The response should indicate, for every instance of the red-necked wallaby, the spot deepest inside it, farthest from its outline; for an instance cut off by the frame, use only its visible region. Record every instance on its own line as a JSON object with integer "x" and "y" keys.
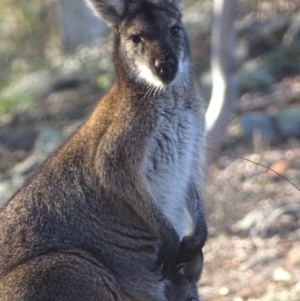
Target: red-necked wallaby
{"x": 104, "y": 217}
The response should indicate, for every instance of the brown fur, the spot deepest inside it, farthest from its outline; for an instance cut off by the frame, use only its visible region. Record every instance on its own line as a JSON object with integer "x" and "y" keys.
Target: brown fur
{"x": 87, "y": 225}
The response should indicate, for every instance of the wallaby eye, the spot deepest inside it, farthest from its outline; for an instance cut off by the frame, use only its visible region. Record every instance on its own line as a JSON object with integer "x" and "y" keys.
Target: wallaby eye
{"x": 135, "y": 39}
{"x": 175, "y": 30}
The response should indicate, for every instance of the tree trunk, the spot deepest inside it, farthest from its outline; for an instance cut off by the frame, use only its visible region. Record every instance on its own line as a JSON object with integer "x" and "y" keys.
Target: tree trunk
{"x": 223, "y": 65}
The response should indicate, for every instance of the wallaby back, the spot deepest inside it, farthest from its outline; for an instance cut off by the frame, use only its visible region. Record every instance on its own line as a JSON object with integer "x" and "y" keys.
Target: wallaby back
{"x": 103, "y": 217}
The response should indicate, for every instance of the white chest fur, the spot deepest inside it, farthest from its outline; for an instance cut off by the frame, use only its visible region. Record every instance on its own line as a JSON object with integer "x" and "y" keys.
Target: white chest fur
{"x": 168, "y": 164}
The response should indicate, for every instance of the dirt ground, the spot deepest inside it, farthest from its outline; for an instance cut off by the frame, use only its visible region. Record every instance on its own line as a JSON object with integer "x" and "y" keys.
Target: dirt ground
{"x": 253, "y": 252}
{"x": 258, "y": 257}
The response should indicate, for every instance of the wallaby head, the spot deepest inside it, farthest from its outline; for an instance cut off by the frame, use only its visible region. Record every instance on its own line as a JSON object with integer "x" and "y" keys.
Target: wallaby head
{"x": 151, "y": 46}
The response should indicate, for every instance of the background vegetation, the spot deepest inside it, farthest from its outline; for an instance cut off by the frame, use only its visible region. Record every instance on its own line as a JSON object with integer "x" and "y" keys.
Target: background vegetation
{"x": 254, "y": 248}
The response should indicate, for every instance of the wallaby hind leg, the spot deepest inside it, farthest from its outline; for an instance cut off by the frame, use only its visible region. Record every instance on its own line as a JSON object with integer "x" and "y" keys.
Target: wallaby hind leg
{"x": 60, "y": 278}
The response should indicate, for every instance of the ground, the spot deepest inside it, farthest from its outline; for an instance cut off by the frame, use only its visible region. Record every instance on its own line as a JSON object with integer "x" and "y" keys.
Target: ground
{"x": 253, "y": 252}
{"x": 258, "y": 257}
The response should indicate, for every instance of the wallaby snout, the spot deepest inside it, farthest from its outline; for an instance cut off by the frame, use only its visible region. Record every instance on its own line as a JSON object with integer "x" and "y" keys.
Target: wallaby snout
{"x": 162, "y": 60}
{"x": 166, "y": 70}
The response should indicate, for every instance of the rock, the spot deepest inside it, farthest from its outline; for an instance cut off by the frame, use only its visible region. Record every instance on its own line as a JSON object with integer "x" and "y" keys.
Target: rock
{"x": 292, "y": 294}
{"x": 262, "y": 260}
{"x": 288, "y": 122}
{"x": 271, "y": 220}
{"x": 281, "y": 275}
{"x": 280, "y": 167}
{"x": 8, "y": 188}
{"x": 262, "y": 36}
{"x": 291, "y": 38}
{"x": 249, "y": 221}
{"x": 224, "y": 291}
{"x": 48, "y": 140}
{"x": 70, "y": 71}
{"x": 22, "y": 92}
{"x": 255, "y": 75}
{"x": 283, "y": 124}
{"x": 20, "y": 138}
{"x": 261, "y": 122}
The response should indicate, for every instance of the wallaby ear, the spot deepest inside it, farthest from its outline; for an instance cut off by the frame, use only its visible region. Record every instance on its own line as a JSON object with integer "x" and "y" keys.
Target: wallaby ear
{"x": 193, "y": 269}
{"x": 178, "y": 4}
{"x": 110, "y": 11}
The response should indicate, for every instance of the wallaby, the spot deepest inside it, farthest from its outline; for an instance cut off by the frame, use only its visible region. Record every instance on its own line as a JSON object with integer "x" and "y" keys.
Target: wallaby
{"x": 103, "y": 217}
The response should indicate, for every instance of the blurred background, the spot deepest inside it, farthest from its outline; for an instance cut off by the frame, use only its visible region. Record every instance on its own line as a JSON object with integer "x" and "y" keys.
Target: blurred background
{"x": 56, "y": 62}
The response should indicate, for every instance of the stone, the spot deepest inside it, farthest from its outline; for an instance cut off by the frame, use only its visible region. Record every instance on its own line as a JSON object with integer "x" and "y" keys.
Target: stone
{"x": 261, "y": 122}
{"x": 288, "y": 122}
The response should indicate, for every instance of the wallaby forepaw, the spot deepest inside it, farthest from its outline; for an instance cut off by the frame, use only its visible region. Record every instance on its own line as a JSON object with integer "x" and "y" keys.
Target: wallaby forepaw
{"x": 167, "y": 257}
{"x": 190, "y": 246}
{"x": 169, "y": 270}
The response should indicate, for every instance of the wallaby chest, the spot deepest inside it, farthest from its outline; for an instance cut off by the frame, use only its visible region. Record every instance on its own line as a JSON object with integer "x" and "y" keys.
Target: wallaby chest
{"x": 170, "y": 153}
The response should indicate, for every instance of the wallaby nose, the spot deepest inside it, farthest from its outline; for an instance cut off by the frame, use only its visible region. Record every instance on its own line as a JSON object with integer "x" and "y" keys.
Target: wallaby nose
{"x": 164, "y": 67}
{"x": 166, "y": 70}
